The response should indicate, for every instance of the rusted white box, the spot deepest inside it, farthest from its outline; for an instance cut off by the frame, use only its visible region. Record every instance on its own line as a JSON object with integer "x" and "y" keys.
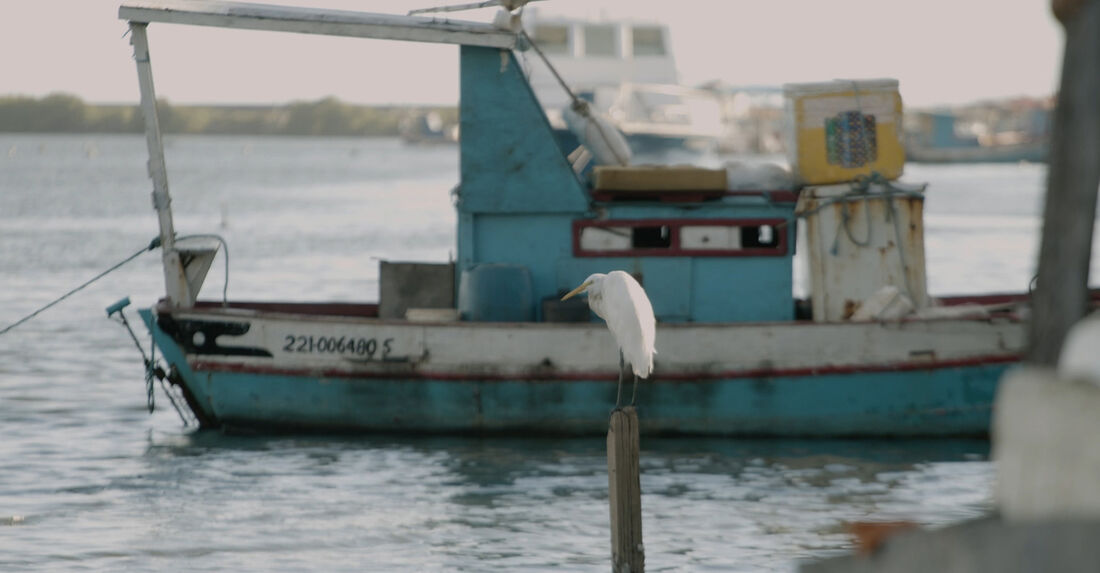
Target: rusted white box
{"x": 861, "y": 241}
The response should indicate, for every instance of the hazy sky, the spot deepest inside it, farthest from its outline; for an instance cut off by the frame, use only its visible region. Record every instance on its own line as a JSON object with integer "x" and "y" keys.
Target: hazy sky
{"x": 942, "y": 51}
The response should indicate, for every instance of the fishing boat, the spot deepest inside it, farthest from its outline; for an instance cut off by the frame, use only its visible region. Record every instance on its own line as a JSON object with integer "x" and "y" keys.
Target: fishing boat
{"x": 483, "y": 344}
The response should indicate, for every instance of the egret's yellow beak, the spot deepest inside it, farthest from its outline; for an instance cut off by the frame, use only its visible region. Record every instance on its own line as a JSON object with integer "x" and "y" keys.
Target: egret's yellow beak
{"x": 576, "y": 291}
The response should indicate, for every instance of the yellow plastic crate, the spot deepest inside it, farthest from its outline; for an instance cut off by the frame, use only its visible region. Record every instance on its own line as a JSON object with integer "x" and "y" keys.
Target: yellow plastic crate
{"x": 840, "y": 130}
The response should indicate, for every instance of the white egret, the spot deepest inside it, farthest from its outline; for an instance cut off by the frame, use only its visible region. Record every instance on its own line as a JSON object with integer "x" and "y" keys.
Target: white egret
{"x": 618, "y": 299}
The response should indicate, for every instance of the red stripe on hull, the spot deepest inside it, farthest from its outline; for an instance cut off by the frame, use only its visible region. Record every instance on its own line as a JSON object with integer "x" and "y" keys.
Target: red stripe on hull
{"x": 826, "y": 370}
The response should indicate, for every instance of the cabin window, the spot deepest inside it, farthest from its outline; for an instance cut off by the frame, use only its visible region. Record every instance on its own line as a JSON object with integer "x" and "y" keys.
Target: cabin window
{"x": 552, "y": 39}
{"x": 602, "y": 239}
{"x": 657, "y": 237}
{"x": 759, "y": 236}
{"x": 680, "y": 238}
{"x": 710, "y": 237}
{"x": 648, "y": 41}
{"x": 599, "y": 40}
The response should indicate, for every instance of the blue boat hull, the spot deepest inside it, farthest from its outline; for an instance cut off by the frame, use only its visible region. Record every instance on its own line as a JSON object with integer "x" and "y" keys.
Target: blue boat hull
{"x": 952, "y": 401}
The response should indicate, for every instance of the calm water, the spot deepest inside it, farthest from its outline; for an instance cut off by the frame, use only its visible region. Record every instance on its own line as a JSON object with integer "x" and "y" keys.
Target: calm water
{"x": 90, "y": 481}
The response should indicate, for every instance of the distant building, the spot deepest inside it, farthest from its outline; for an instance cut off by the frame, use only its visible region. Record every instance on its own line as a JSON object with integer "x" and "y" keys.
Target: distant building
{"x": 994, "y": 131}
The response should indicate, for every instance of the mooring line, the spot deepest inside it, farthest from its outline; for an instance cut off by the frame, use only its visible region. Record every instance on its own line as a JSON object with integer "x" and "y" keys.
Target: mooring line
{"x": 153, "y": 245}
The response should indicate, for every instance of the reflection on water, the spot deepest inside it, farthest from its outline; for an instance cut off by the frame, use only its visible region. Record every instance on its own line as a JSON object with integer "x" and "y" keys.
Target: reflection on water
{"x": 92, "y": 482}
{"x": 501, "y": 504}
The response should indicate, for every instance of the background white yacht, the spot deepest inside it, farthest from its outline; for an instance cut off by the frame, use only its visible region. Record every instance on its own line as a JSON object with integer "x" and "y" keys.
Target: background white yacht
{"x": 626, "y": 69}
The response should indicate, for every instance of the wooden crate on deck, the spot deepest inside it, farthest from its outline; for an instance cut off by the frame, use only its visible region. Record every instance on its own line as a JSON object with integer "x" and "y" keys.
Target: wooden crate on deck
{"x": 658, "y": 182}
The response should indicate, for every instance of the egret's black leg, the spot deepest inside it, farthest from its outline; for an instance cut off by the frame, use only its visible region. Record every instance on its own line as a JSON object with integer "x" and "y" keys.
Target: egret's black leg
{"x": 619, "y": 394}
{"x": 634, "y": 395}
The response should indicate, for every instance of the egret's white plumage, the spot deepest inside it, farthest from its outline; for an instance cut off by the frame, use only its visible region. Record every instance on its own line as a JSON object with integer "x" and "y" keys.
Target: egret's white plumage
{"x": 618, "y": 299}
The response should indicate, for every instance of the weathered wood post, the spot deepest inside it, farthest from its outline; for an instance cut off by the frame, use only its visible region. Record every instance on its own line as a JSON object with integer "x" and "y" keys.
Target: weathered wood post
{"x": 625, "y": 492}
{"x": 1061, "y": 293}
{"x": 1045, "y": 422}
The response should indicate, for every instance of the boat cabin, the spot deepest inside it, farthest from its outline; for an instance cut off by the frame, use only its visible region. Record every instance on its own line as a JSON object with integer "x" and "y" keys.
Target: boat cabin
{"x": 702, "y": 254}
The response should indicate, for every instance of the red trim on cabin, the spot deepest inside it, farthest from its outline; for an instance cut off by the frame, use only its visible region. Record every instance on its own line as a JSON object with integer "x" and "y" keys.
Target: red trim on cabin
{"x": 773, "y": 196}
{"x": 674, "y": 249}
{"x": 659, "y": 196}
{"x": 311, "y": 308}
{"x": 825, "y": 370}
{"x": 982, "y": 299}
{"x": 998, "y": 298}
{"x": 690, "y": 196}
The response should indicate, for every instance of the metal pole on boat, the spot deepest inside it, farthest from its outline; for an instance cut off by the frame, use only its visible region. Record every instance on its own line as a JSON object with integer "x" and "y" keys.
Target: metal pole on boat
{"x": 175, "y": 279}
{"x": 1061, "y": 293}
{"x": 625, "y": 491}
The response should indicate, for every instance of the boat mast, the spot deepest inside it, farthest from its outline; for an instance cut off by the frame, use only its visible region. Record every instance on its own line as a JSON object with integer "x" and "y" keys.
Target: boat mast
{"x": 175, "y": 279}
{"x": 186, "y": 260}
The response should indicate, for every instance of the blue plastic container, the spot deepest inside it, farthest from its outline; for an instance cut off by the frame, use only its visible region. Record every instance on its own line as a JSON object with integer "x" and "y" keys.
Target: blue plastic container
{"x": 496, "y": 292}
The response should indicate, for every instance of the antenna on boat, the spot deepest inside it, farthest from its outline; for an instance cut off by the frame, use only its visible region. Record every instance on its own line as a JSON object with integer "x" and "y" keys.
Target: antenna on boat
{"x": 509, "y": 5}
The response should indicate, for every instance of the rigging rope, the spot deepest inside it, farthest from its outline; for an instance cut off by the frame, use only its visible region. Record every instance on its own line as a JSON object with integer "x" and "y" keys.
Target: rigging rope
{"x": 153, "y": 245}
{"x": 860, "y": 191}
{"x": 152, "y": 370}
{"x": 573, "y": 97}
{"x": 150, "y": 366}
{"x": 578, "y": 105}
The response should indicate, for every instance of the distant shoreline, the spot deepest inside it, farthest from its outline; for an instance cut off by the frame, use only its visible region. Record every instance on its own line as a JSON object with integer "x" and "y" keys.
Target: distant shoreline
{"x": 64, "y": 113}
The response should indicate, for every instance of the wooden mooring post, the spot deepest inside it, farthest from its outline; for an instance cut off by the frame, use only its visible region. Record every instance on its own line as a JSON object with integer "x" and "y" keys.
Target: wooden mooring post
{"x": 625, "y": 492}
{"x": 1061, "y": 295}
